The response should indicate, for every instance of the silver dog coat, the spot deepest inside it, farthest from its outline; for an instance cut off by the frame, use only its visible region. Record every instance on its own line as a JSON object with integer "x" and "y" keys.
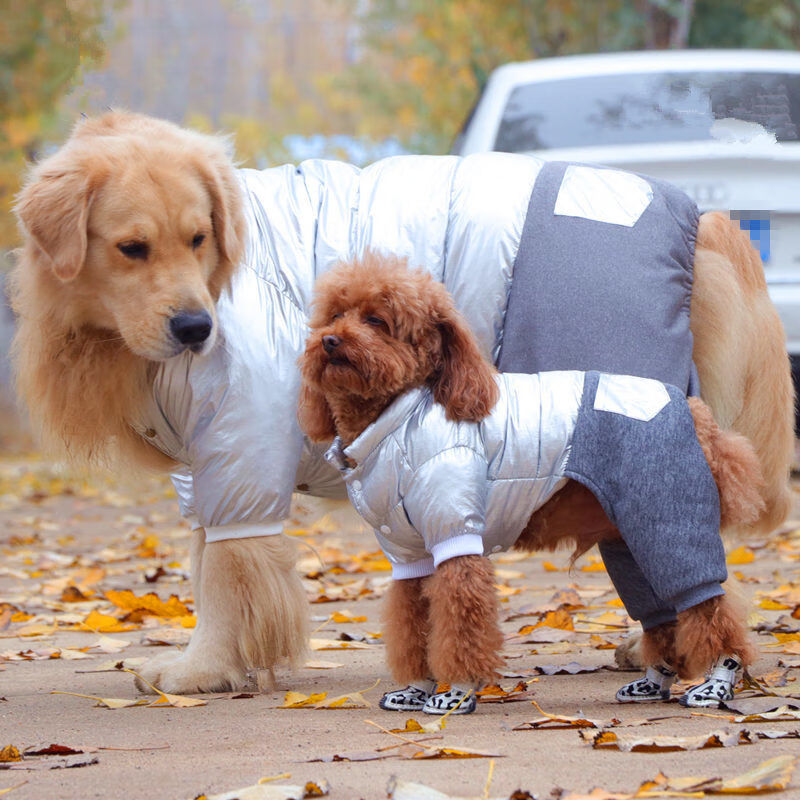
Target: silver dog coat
{"x": 230, "y": 416}
{"x": 434, "y": 489}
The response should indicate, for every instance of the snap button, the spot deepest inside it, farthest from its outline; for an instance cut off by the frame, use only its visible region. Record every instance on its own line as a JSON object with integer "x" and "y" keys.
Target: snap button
{"x": 150, "y": 433}
{"x": 385, "y": 529}
{"x": 356, "y": 485}
{"x": 497, "y": 548}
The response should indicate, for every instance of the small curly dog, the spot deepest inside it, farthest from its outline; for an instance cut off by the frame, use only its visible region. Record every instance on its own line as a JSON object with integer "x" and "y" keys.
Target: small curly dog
{"x": 449, "y": 461}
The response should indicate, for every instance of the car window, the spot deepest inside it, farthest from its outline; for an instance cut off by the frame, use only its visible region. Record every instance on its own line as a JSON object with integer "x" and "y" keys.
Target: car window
{"x": 646, "y": 108}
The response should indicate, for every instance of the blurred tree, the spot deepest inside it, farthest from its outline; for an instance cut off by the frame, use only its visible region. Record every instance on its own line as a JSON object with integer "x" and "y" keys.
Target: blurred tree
{"x": 424, "y": 62}
{"x": 746, "y": 23}
{"x": 43, "y": 46}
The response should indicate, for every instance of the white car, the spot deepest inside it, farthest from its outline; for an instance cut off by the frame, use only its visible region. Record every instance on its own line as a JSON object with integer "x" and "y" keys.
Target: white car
{"x": 724, "y": 125}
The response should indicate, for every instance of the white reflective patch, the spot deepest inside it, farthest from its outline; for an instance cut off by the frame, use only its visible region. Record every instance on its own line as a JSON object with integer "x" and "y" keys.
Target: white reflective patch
{"x": 637, "y": 398}
{"x": 603, "y": 195}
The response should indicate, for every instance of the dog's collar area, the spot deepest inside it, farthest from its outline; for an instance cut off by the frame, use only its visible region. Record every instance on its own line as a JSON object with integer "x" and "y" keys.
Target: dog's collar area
{"x": 336, "y": 456}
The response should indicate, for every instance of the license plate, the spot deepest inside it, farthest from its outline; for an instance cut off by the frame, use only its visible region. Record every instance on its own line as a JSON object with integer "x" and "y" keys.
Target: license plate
{"x": 758, "y": 224}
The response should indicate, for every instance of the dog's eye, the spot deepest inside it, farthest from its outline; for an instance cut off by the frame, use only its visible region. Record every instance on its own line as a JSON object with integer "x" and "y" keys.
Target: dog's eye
{"x": 136, "y": 250}
{"x": 377, "y": 322}
{"x": 336, "y": 316}
{"x": 198, "y": 240}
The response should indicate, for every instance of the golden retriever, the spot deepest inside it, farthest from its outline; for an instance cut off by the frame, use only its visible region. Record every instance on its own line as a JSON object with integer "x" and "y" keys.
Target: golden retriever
{"x": 97, "y": 314}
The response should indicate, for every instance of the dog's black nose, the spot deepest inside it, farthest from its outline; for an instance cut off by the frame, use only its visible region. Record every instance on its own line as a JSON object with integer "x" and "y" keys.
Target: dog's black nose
{"x": 191, "y": 327}
{"x": 330, "y": 343}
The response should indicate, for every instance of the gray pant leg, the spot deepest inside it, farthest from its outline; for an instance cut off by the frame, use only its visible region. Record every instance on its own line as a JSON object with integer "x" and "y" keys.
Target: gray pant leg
{"x": 654, "y": 482}
{"x": 633, "y": 588}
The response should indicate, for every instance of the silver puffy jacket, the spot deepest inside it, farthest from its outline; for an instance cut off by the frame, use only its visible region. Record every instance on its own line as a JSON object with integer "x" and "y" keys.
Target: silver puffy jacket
{"x": 433, "y": 489}
{"x": 230, "y": 416}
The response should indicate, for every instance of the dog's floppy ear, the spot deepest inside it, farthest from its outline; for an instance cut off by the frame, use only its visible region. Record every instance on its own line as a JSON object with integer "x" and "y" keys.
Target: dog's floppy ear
{"x": 464, "y": 380}
{"x": 227, "y": 215}
{"x": 54, "y": 210}
{"x": 314, "y": 415}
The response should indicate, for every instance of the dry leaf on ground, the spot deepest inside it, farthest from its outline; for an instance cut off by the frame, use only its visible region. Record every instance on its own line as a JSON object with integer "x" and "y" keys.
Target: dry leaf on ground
{"x": 107, "y": 702}
{"x": 661, "y": 744}
{"x": 332, "y": 644}
{"x": 760, "y": 705}
{"x": 270, "y": 791}
{"x": 497, "y": 694}
{"x": 545, "y": 633}
{"x": 771, "y": 775}
{"x": 573, "y": 668}
{"x": 320, "y": 700}
{"x": 558, "y": 721}
{"x": 150, "y": 604}
{"x": 409, "y": 790}
{"x": 51, "y": 762}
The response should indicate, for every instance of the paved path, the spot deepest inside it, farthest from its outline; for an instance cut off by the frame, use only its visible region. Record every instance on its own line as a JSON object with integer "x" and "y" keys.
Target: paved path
{"x": 65, "y": 543}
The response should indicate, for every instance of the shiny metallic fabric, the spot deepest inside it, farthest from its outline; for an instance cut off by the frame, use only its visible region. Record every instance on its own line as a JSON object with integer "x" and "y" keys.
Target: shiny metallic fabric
{"x": 434, "y": 489}
{"x": 230, "y": 416}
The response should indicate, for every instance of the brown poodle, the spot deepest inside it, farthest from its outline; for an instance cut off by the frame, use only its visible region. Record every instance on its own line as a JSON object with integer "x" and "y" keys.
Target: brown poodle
{"x": 380, "y": 329}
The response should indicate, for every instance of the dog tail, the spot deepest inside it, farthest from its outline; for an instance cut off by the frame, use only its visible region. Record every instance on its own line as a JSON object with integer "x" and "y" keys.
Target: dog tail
{"x": 734, "y": 465}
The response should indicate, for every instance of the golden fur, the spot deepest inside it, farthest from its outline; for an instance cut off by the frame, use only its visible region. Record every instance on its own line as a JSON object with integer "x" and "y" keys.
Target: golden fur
{"x": 93, "y": 323}
{"x": 92, "y": 332}
{"x": 378, "y": 329}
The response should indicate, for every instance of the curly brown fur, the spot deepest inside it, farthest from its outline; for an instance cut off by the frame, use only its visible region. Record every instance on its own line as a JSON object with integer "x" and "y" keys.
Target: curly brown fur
{"x": 699, "y": 637}
{"x": 708, "y": 630}
{"x": 465, "y": 637}
{"x": 658, "y": 645}
{"x": 378, "y": 329}
{"x": 573, "y": 516}
{"x": 406, "y": 630}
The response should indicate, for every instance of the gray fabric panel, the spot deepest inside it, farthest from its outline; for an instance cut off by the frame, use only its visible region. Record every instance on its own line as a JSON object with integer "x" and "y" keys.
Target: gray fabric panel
{"x": 654, "y": 482}
{"x": 591, "y": 295}
{"x": 633, "y": 588}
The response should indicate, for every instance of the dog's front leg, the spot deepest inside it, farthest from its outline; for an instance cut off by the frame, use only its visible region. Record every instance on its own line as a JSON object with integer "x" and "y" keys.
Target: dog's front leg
{"x": 406, "y": 626}
{"x": 465, "y": 636}
{"x": 252, "y": 613}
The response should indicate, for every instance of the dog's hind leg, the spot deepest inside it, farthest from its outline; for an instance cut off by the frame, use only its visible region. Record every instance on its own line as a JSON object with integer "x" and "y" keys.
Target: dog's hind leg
{"x": 253, "y": 615}
{"x": 711, "y": 638}
{"x": 740, "y": 353}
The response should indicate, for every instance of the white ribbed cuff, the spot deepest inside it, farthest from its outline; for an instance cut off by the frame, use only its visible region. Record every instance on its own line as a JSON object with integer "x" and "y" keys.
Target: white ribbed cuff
{"x": 219, "y": 533}
{"x": 468, "y": 544}
{"x": 417, "y": 569}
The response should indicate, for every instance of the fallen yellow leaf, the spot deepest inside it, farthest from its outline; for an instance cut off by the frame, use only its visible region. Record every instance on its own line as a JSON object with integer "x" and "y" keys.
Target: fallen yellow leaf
{"x": 104, "y": 623}
{"x": 150, "y": 603}
{"x": 176, "y": 700}
{"x": 10, "y": 753}
{"x": 741, "y": 555}
{"x": 346, "y": 616}
{"x": 107, "y": 702}
{"x": 299, "y": 700}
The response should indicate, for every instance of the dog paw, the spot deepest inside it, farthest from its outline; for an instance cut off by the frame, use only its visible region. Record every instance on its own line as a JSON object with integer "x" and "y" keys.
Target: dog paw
{"x": 628, "y": 654}
{"x": 183, "y": 673}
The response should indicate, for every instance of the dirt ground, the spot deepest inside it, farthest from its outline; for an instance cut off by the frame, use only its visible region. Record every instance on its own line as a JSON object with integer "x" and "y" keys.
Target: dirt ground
{"x": 67, "y": 545}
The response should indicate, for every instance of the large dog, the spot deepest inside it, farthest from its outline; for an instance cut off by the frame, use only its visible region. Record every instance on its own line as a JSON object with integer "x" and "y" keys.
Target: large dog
{"x": 153, "y": 280}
